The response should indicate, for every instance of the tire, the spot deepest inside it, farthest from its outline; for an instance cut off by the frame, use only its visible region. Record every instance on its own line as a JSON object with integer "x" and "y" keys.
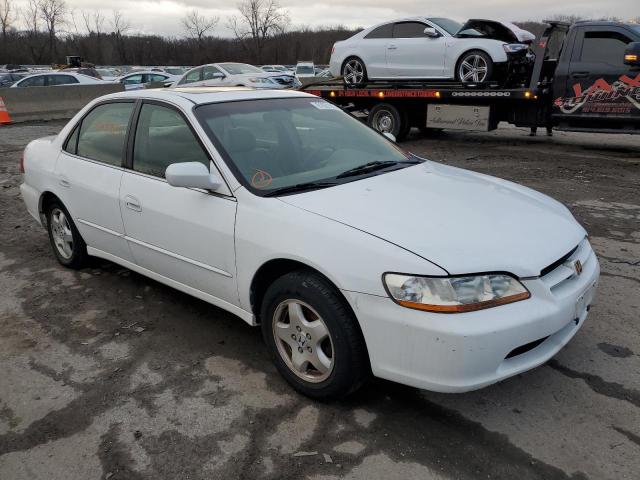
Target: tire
{"x": 66, "y": 242}
{"x": 385, "y": 117}
{"x": 313, "y": 337}
{"x": 467, "y": 68}
{"x": 354, "y": 72}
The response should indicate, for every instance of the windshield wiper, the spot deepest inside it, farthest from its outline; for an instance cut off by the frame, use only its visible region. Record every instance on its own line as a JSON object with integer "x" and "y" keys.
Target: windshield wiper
{"x": 300, "y": 187}
{"x": 373, "y": 166}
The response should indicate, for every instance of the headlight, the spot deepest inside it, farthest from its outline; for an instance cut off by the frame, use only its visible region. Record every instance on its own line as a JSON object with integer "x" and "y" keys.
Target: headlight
{"x": 514, "y": 47}
{"x": 259, "y": 80}
{"x": 454, "y": 294}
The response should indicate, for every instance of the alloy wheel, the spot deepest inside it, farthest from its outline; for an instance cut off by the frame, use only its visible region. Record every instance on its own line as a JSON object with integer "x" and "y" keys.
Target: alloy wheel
{"x": 303, "y": 341}
{"x": 473, "y": 68}
{"x": 353, "y": 72}
{"x": 61, "y": 233}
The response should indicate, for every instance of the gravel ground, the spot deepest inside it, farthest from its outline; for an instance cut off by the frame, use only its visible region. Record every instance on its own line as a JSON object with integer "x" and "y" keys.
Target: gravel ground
{"x": 106, "y": 374}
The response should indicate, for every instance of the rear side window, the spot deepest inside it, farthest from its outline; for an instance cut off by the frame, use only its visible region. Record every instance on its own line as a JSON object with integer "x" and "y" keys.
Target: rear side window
{"x": 604, "y": 47}
{"x": 409, "y": 30}
{"x": 154, "y": 77}
{"x": 103, "y": 133}
{"x": 384, "y": 31}
{"x": 33, "y": 82}
{"x": 163, "y": 137}
{"x": 62, "y": 80}
{"x": 133, "y": 79}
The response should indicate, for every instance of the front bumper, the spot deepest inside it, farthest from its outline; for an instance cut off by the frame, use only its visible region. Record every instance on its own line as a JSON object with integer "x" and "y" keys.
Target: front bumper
{"x": 462, "y": 352}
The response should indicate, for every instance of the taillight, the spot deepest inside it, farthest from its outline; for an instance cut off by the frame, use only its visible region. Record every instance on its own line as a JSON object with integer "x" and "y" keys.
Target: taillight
{"x": 22, "y": 163}
{"x": 333, "y": 50}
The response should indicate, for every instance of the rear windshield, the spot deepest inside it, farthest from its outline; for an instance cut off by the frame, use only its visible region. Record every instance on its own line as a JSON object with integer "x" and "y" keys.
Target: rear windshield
{"x": 305, "y": 70}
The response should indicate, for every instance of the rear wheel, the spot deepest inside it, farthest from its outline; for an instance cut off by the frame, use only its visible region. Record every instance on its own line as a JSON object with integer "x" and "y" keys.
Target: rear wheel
{"x": 354, "y": 72}
{"x": 474, "y": 67}
{"x": 313, "y": 336}
{"x": 386, "y": 118}
{"x": 66, "y": 242}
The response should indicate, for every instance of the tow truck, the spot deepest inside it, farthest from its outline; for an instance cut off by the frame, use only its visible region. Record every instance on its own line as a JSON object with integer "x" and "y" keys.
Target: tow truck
{"x": 592, "y": 86}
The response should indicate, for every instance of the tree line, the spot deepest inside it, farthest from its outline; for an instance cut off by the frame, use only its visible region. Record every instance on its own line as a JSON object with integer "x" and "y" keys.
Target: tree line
{"x": 45, "y": 31}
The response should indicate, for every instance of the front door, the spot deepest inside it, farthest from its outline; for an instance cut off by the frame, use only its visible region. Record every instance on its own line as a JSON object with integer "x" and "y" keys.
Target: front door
{"x": 412, "y": 54}
{"x": 185, "y": 235}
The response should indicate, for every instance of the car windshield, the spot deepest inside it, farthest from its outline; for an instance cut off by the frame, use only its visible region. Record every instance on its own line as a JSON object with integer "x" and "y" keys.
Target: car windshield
{"x": 282, "y": 143}
{"x": 450, "y": 26}
{"x": 305, "y": 69}
{"x": 635, "y": 27}
{"x": 240, "y": 68}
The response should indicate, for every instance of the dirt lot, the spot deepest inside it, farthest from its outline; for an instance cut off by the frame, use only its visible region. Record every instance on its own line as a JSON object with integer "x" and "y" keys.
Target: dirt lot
{"x": 105, "y": 374}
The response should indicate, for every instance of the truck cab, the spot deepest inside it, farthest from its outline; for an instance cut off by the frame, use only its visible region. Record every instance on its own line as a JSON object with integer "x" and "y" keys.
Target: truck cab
{"x": 596, "y": 85}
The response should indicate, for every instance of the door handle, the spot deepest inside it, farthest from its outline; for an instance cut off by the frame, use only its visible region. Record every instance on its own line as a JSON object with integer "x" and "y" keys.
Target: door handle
{"x": 132, "y": 203}
{"x": 392, "y": 47}
{"x": 580, "y": 74}
{"x": 65, "y": 182}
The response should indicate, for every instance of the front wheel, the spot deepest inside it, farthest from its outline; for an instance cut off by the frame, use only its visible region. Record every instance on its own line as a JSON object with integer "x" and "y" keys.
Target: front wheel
{"x": 313, "y": 336}
{"x": 474, "y": 67}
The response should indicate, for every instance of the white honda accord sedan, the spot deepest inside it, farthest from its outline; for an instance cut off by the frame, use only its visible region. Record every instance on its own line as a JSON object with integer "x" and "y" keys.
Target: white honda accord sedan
{"x": 355, "y": 256}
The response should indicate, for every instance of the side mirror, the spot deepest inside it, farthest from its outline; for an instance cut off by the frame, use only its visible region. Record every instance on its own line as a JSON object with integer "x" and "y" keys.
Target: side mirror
{"x": 390, "y": 136}
{"x": 632, "y": 54}
{"x": 431, "y": 32}
{"x": 191, "y": 175}
{"x": 218, "y": 75}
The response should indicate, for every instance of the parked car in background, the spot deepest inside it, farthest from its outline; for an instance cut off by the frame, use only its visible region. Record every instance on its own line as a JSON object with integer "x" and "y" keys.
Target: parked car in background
{"x": 325, "y": 74}
{"x": 235, "y": 74}
{"x": 138, "y": 79}
{"x": 8, "y": 79}
{"x": 13, "y": 68}
{"x": 176, "y": 71}
{"x": 293, "y": 215}
{"x": 108, "y": 74}
{"x": 275, "y": 68}
{"x": 305, "y": 70}
{"x": 49, "y": 79}
{"x": 420, "y": 48}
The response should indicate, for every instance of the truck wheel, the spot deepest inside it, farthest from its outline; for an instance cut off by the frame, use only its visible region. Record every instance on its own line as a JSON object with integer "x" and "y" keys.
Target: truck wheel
{"x": 313, "y": 337}
{"x": 474, "y": 67}
{"x": 354, "y": 73}
{"x": 385, "y": 117}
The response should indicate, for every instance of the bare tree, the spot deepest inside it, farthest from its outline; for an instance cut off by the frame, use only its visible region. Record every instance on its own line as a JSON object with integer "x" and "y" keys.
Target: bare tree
{"x": 120, "y": 28}
{"x": 257, "y": 20}
{"x": 197, "y": 26}
{"x": 7, "y": 16}
{"x": 53, "y": 13}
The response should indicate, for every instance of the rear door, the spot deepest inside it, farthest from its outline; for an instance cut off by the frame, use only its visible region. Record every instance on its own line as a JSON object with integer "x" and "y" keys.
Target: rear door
{"x": 182, "y": 234}
{"x": 598, "y": 83}
{"x": 412, "y": 54}
{"x": 89, "y": 172}
{"x": 373, "y": 50}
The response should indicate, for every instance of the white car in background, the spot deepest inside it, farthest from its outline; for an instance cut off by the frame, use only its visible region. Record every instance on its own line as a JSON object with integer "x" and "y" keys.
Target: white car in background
{"x": 284, "y": 210}
{"x": 421, "y": 48}
{"x": 48, "y": 79}
{"x": 305, "y": 70}
{"x": 235, "y": 75}
{"x": 138, "y": 79}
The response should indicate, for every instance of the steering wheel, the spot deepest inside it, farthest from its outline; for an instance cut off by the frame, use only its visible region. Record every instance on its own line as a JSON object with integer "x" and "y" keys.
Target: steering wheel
{"x": 320, "y": 156}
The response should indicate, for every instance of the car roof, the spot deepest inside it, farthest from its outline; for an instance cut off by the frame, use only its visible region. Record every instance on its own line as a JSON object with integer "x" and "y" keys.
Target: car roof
{"x": 202, "y": 95}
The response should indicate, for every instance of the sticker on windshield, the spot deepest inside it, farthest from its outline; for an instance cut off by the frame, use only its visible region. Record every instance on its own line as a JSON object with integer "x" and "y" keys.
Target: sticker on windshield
{"x": 261, "y": 179}
{"x": 324, "y": 106}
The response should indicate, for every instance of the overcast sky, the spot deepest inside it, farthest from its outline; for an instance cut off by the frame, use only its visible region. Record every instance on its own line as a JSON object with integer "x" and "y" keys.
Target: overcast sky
{"x": 163, "y": 16}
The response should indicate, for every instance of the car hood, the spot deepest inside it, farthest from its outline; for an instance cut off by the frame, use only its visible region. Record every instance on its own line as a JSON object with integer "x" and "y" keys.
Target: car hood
{"x": 462, "y": 221}
{"x": 503, "y": 31}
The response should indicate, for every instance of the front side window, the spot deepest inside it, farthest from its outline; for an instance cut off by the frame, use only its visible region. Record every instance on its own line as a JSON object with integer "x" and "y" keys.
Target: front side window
{"x": 62, "y": 80}
{"x": 193, "y": 76}
{"x": 384, "y": 31}
{"x": 604, "y": 47}
{"x": 37, "y": 81}
{"x": 277, "y": 143}
{"x": 211, "y": 73}
{"x": 103, "y": 133}
{"x": 409, "y": 30}
{"x": 162, "y": 138}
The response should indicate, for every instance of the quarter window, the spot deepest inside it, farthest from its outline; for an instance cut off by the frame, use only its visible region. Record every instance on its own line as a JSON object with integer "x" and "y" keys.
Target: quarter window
{"x": 384, "y": 31}
{"x": 103, "y": 133}
{"x": 604, "y": 47}
{"x": 162, "y": 138}
{"x": 409, "y": 30}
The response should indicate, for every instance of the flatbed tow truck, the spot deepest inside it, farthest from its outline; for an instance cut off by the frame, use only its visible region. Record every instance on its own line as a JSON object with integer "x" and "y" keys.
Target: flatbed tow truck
{"x": 593, "y": 86}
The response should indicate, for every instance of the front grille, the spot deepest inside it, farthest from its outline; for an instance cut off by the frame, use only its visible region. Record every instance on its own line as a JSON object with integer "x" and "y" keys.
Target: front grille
{"x": 563, "y": 270}
{"x": 558, "y": 262}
